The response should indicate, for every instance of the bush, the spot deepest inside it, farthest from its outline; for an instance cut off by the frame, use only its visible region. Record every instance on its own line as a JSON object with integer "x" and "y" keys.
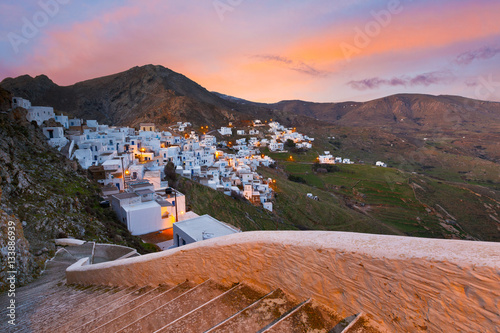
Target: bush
{"x": 323, "y": 168}
{"x": 237, "y": 196}
{"x": 297, "y": 179}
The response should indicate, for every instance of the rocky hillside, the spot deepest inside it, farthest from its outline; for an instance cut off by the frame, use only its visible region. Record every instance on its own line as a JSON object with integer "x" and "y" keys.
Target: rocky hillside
{"x": 141, "y": 94}
{"x": 45, "y": 196}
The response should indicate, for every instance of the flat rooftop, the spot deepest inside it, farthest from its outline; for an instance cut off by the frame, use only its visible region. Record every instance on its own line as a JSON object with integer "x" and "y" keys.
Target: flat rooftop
{"x": 145, "y": 192}
{"x": 195, "y": 227}
{"x": 125, "y": 195}
{"x": 141, "y": 206}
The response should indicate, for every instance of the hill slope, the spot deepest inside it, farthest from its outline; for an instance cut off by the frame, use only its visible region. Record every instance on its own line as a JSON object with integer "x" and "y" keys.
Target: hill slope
{"x": 141, "y": 94}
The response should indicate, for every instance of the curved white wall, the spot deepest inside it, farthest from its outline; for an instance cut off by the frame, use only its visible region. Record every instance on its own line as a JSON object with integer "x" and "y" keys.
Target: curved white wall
{"x": 407, "y": 284}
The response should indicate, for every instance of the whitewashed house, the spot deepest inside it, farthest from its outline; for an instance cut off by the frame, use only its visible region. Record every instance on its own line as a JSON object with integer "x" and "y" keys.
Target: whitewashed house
{"x": 326, "y": 159}
{"x": 40, "y": 114}
{"x": 18, "y": 102}
{"x": 63, "y": 120}
{"x": 84, "y": 157}
{"x": 56, "y": 136}
{"x": 225, "y": 131}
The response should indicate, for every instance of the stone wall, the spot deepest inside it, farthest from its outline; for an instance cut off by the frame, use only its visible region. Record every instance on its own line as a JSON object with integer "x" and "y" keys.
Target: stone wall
{"x": 405, "y": 284}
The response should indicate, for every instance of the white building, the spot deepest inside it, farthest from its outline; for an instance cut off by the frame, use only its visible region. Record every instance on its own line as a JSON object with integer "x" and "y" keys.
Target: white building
{"x": 40, "y": 114}
{"x": 56, "y": 136}
{"x": 18, "y": 102}
{"x": 326, "y": 159}
{"x": 381, "y": 164}
{"x": 225, "y": 131}
{"x": 63, "y": 120}
{"x": 75, "y": 122}
{"x": 199, "y": 229}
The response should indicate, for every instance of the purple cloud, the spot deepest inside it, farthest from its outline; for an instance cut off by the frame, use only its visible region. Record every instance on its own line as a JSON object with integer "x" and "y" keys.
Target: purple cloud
{"x": 425, "y": 79}
{"x": 483, "y": 53}
{"x": 295, "y": 65}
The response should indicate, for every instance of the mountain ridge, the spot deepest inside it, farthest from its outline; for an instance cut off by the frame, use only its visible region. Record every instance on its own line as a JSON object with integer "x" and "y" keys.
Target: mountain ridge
{"x": 124, "y": 98}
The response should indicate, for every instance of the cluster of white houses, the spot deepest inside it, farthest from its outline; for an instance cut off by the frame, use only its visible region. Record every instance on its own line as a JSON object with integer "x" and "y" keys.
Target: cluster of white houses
{"x": 129, "y": 165}
{"x": 328, "y": 158}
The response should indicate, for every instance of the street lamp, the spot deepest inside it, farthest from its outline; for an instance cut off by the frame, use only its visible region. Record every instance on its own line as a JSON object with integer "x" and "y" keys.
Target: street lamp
{"x": 142, "y": 150}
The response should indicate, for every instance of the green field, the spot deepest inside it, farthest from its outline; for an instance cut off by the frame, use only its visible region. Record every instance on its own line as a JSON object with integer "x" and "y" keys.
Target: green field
{"x": 390, "y": 197}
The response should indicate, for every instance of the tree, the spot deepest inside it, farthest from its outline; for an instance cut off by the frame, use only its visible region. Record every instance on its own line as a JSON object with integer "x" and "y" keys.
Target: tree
{"x": 170, "y": 174}
{"x": 290, "y": 144}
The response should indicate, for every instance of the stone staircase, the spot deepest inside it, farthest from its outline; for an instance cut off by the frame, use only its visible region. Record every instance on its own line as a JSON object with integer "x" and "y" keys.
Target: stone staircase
{"x": 52, "y": 305}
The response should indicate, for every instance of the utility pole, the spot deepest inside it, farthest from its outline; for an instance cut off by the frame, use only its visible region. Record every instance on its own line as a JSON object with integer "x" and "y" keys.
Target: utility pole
{"x": 175, "y": 200}
{"x": 123, "y": 173}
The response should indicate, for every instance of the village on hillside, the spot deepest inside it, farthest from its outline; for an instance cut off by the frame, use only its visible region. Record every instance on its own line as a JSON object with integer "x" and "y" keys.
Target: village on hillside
{"x": 130, "y": 164}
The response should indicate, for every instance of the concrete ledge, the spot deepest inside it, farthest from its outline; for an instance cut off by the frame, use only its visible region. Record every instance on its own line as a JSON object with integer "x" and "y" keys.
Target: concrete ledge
{"x": 113, "y": 252}
{"x": 69, "y": 242}
{"x": 407, "y": 284}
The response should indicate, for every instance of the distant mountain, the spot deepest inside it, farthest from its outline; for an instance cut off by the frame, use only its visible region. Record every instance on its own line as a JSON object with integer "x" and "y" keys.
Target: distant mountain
{"x": 403, "y": 112}
{"x": 156, "y": 93}
{"x": 148, "y": 93}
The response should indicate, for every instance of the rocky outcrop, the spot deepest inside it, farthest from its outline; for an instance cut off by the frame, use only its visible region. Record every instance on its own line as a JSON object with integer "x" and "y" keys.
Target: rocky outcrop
{"x": 46, "y": 197}
{"x": 15, "y": 257}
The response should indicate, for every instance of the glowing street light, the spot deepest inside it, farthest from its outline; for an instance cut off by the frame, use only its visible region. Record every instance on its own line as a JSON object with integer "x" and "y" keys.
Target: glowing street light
{"x": 142, "y": 151}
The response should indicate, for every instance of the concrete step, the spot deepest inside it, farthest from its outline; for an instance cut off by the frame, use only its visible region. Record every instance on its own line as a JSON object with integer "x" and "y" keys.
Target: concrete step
{"x": 215, "y": 311}
{"x": 308, "y": 317}
{"x": 258, "y": 315}
{"x": 100, "y": 316}
{"x": 143, "y": 309}
{"x": 53, "y": 298}
{"x": 92, "y": 296}
{"x": 43, "y": 316}
{"x": 176, "y": 308}
{"x": 94, "y": 309}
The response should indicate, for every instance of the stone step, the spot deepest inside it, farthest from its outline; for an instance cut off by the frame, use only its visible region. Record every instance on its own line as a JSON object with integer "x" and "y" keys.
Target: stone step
{"x": 308, "y": 317}
{"x": 176, "y": 308}
{"x": 93, "y": 310}
{"x": 100, "y": 316}
{"x": 142, "y": 310}
{"x": 215, "y": 311}
{"x": 258, "y": 315}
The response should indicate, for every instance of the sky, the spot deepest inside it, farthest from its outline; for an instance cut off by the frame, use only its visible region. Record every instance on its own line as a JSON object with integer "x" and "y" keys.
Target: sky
{"x": 264, "y": 50}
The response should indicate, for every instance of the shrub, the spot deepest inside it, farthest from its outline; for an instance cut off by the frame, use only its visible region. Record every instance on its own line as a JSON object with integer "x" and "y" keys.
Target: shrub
{"x": 297, "y": 179}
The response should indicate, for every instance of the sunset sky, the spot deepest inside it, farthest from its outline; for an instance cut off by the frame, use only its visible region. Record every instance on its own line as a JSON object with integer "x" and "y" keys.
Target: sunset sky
{"x": 262, "y": 50}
